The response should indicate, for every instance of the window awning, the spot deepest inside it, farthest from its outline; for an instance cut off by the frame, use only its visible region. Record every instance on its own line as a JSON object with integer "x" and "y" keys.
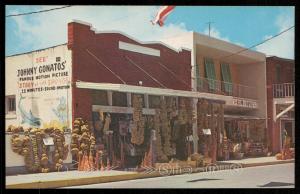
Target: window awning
{"x": 148, "y": 90}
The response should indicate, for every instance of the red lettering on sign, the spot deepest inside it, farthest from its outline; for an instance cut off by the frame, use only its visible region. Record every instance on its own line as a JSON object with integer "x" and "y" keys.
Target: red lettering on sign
{"x": 40, "y": 59}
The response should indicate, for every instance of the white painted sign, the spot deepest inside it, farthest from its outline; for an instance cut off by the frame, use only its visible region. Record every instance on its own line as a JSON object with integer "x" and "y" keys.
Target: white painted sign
{"x": 41, "y": 82}
{"x": 244, "y": 103}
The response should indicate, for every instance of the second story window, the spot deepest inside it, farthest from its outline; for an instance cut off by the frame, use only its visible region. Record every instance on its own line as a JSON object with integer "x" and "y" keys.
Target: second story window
{"x": 210, "y": 73}
{"x": 10, "y": 104}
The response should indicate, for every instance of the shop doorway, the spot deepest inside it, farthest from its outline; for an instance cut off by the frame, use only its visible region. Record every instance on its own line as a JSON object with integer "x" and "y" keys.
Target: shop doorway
{"x": 288, "y": 125}
{"x": 118, "y": 146}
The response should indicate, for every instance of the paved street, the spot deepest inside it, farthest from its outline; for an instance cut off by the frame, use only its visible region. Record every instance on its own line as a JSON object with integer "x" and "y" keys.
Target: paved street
{"x": 272, "y": 176}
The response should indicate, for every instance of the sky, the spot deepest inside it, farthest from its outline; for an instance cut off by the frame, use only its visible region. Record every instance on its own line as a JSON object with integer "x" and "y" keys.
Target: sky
{"x": 241, "y": 25}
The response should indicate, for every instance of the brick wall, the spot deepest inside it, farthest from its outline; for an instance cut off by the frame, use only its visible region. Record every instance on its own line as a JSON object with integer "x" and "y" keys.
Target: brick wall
{"x": 105, "y": 48}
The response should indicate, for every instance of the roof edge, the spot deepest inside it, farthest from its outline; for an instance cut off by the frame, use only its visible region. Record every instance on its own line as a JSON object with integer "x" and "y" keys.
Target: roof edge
{"x": 226, "y": 42}
{"x": 130, "y": 37}
{"x": 36, "y": 50}
{"x": 280, "y": 58}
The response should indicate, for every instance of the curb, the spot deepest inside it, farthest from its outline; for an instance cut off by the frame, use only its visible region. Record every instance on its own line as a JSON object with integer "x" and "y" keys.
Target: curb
{"x": 114, "y": 178}
{"x": 268, "y": 163}
{"x": 80, "y": 181}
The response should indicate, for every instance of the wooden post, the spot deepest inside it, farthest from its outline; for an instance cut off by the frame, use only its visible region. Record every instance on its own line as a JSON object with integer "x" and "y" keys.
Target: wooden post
{"x": 213, "y": 134}
{"x": 122, "y": 154}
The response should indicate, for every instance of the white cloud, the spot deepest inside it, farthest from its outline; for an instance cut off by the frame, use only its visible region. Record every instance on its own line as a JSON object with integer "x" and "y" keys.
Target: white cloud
{"x": 216, "y": 34}
{"x": 50, "y": 28}
{"x": 283, "y": 45}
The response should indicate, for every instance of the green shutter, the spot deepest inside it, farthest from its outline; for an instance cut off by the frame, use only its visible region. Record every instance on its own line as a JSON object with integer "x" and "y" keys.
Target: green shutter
{"x": 229, "y": 79}
{"x": 207, "y": 68}
{"x": 210, "y": 73}
{"x": 213, "y": 73}
{"x": 229, "y": 73}
{"x": 198, "y": 78}
{"x": 223, "y": 73}
{"x": 226, "y": 75}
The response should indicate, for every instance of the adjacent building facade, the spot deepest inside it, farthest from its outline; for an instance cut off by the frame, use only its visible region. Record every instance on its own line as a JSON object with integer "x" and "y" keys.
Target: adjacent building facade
{"x": 239, "y": 78}
{"x": 280, "y": 100}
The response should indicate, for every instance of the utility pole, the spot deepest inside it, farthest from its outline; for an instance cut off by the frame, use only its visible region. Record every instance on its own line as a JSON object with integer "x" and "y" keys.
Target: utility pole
{"x": 209, "y": 27}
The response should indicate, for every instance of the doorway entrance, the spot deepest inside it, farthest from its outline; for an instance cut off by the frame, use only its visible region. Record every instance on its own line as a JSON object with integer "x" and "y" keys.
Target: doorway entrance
{"x": 289, "y": 126}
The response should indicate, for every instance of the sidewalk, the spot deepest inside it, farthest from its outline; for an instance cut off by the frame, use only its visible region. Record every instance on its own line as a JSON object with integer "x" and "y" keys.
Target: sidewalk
{"x": 75, "y": 178}
{"x": 260, "y": 161}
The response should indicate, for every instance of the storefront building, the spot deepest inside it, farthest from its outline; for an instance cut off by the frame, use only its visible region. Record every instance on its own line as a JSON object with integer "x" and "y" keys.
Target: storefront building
{"x": 281, "y": 100}
{"x": 144, "y": 102}
{"x": 95, "y": 74}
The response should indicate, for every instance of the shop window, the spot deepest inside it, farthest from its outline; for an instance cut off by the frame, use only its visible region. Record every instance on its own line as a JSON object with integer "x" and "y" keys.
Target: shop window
{"x": 119, "y": 99}
{"x": 99, "y": 97}
{"x": 154, "y": 101}
{"x": 10, "y": 104}
{"x": 210, "y": 73}
{"x": 226, "y": 78}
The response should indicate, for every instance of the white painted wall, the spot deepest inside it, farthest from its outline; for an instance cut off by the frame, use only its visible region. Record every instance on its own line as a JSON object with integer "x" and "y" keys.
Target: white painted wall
{"x": 184, "y": 40}
{"x": 42, "y": 104}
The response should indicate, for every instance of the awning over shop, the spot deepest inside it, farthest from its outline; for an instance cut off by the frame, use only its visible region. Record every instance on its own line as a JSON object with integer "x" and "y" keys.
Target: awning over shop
{"x": 148, "y": 90}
